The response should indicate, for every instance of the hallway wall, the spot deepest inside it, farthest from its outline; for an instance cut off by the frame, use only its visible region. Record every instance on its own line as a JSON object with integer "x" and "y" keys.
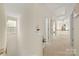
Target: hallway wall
{"x": 30, "y": 40}
{"x": 76, "y": 29}
{"x": 2, "y": 26}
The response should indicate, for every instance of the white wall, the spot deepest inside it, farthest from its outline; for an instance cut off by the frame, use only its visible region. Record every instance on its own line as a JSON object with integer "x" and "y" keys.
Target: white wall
{"x": 2, "y": 26}
{"x": 30, "y": 40}
{"x": 76, "y": 29}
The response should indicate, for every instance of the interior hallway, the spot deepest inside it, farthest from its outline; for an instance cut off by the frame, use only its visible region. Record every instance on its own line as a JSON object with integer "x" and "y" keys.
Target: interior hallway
{"x": 32, "y": 25}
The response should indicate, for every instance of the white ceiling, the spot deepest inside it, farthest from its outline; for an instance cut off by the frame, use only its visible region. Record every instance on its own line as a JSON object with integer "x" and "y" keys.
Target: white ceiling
{"x": 61, "y": 10}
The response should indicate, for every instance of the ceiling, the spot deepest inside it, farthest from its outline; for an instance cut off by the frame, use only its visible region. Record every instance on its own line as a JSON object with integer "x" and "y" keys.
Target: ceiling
{"x": 60, "y": 10}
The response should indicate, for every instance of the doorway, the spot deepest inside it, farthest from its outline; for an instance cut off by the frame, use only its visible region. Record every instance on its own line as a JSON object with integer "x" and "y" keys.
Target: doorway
{"x": 11, "y": 36}
{"x": 59, "y": 33}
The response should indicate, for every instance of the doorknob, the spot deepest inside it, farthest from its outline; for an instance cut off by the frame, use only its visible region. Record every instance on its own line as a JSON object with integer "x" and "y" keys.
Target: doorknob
{"x": 43, "y": 40}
